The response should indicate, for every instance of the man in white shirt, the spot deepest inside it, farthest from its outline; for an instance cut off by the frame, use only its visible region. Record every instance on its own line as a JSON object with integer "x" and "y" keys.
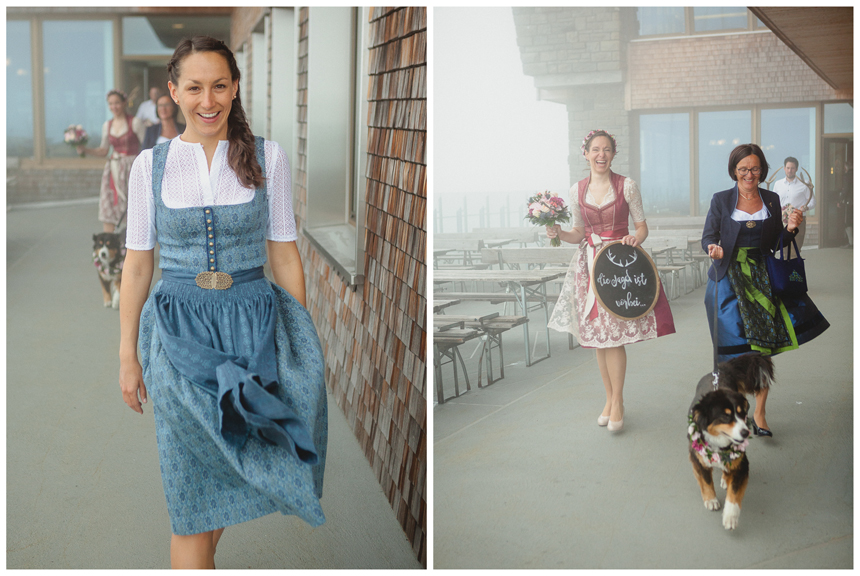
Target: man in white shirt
{"x": 793, "y": 194}
{"x": 148, "y": 111}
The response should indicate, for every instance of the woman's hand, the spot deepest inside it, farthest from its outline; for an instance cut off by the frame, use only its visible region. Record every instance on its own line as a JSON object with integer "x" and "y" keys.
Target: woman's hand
{"x": 131, "y": 384}
{"x": 715, "y": 252}
{"x": 794, "y": 220}
{"x": 630, "y": 240}
{"x": 553, "y": 231}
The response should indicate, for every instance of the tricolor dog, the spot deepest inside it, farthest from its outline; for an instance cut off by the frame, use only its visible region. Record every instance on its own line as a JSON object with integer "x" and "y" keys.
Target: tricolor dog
{"x": 719, "y": 433}
{"x": 108, "y": 257}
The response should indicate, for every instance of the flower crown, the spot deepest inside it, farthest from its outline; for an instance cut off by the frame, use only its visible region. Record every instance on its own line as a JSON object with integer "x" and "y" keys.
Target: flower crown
{"x": 119, "y": 93}
{"x": 602, "y": 133}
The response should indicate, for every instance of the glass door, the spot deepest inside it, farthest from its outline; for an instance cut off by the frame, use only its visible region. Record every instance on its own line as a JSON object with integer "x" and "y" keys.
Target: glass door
{"x": 837, "y": 192}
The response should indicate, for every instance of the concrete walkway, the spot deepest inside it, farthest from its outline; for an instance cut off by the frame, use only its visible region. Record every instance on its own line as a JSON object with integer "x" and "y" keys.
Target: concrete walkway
{"x": 83, "y": 488}
{"x": 524, "y": 477}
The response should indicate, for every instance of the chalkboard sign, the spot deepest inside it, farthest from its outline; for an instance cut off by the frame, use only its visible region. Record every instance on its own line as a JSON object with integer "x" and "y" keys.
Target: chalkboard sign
{"x": 625, "y": 281}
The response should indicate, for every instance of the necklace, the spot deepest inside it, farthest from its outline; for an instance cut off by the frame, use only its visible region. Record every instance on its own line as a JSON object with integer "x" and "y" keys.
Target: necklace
{"x": 745, "y": 196}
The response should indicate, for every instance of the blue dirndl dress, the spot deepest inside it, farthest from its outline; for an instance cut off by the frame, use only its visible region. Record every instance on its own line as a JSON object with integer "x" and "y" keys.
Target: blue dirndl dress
{"x": 757, "y": 321}
{"x": 236, "y": 375}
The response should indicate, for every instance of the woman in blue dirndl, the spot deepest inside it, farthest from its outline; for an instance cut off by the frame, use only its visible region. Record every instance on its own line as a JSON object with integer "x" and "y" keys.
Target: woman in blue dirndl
{"x": 232, "y": 361}
{"x": 744, "y": 224}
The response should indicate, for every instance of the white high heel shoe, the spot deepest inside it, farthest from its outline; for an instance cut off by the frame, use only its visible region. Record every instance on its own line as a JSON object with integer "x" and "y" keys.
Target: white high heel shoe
{"x": 615, "y": 426}
{"x": 602, "y": 420}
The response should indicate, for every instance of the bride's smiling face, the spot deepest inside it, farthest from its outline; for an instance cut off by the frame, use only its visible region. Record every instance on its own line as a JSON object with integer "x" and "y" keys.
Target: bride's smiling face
{"x": 599, "y": 154}
{"x": 205, "y": 90}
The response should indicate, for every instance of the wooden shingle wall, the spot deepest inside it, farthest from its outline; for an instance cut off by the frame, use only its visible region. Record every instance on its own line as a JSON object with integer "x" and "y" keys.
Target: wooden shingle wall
{"x": 374, "y": 337}
{"x": 690, "y": 71}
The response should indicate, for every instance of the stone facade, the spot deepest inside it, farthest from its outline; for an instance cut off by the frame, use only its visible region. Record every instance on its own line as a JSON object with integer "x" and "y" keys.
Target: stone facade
{"x": 578, "y": 58}
{"x": 374, "y": 336}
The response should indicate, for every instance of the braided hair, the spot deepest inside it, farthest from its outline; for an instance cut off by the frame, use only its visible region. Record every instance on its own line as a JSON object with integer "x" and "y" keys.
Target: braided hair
{"x": 242, "y": 156}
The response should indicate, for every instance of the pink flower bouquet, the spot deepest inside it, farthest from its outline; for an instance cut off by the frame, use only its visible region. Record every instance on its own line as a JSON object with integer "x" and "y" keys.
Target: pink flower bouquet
{"x": 75, "y": 135}
{"x": 548, "y": 209}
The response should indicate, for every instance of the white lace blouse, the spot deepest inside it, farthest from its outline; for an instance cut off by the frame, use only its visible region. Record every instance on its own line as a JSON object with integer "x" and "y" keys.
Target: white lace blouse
{"x": 631, "y": 195}
{"x": 189, "y": 184}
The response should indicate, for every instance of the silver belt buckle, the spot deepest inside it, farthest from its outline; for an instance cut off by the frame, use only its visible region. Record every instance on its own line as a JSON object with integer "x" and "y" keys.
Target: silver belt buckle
{"x": 214, "y": 280}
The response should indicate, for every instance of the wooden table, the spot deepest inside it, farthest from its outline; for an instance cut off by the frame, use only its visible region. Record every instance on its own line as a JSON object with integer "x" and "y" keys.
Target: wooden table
{"x": 524, "y": 285}
{"x": 464, "y": 245}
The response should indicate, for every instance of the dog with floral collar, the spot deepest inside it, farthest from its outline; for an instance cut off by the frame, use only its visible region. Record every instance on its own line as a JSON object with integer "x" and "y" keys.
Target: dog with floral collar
{"x": 108, "y": 258}
{"x": 718, "y": 430}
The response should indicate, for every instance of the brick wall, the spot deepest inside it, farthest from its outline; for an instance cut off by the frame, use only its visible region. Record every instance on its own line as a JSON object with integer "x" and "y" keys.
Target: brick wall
{"x": 374, "y": 336}
{"x": 46, "y": 184}
{"x": 740, "y": 69}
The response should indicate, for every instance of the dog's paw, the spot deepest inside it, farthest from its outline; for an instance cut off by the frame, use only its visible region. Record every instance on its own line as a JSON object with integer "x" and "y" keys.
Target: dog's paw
{"x": 723, "y": 484}
{"x": 731, "y": 513}
{"x": 712, "y": 504}
{"x": 108, "y": 303}
{"x": 115, "y": 300}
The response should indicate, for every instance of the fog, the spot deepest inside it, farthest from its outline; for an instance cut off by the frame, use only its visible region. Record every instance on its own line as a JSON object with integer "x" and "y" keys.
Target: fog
{"x": 494, "y": 142}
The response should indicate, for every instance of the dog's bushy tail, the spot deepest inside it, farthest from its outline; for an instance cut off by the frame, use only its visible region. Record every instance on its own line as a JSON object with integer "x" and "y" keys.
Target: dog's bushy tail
{"x": 752, "y": 372}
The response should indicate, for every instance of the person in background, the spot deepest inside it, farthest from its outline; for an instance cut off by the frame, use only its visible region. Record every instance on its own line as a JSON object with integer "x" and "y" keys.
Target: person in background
{"x": 845, "y": 203}
{"x": 167, "y": 127}
{"x": 793, "y": 194}
{"x": 742, "y": 227}
{"x": 123, "y": 134}
{"x": 146, "y": 112}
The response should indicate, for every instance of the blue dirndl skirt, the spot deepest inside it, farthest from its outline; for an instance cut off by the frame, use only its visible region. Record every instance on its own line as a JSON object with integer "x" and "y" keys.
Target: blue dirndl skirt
{"x": 237, "y": 381}
{"x": 793, "y": 321}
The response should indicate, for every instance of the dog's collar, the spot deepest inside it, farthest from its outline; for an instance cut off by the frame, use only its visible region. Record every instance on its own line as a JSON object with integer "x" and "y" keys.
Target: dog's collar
{"x": 114, "y": 266}
{"x": 702, "y": 448}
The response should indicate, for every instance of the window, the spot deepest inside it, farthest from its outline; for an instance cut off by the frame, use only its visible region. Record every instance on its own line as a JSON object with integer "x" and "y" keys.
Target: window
{"x": 337, "y": 136}
{"x": 661, "y": 21}
{"x": 719, "y": 18}
{"x": 19, "y": 90}
{"x": 674, "y": 21}
{"x": 838, "y": 118}
{"x": 789, "y": 132}
{"x": 284, "y": 80}
{"x": 664, "y": 144}
{"x": 78, "y": 73}
{"x": 719, "y": 133}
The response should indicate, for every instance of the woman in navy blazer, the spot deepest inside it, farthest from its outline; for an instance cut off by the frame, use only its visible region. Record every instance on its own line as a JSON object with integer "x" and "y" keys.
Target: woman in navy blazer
{"x": 744, "y": 225}
{"x": 167, "y": 128}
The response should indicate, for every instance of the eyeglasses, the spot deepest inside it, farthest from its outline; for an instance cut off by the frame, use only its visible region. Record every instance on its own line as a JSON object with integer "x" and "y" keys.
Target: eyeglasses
{"x": 743, "y": 171}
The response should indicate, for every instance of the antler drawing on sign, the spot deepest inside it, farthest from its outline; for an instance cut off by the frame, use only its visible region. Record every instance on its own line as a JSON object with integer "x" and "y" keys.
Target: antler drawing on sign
{"x": 770, "y": 180}
{"x": 808, "y": 184}
{"x": 626, "y": 264}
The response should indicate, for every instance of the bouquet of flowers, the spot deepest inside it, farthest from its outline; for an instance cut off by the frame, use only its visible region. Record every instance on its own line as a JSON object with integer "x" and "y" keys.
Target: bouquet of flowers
{"x": 75, "y": 135}
{"x": 548, "y": 209}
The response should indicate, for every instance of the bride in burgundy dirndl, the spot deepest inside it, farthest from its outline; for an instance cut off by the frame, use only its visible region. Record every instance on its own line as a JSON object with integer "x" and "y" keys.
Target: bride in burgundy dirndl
{"x": 601, "y": 205}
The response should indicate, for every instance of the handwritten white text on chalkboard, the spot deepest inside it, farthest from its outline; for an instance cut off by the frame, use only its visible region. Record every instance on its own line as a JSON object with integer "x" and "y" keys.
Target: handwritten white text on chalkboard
{"x": 629, "y": 302}
{"x": 621, "y": 281}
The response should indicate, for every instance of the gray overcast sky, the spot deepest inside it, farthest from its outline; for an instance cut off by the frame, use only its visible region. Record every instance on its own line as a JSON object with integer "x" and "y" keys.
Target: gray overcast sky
{"x": 491, "y": 134}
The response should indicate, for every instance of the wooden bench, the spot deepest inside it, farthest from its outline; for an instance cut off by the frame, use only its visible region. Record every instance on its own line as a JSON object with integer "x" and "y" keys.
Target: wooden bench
{"x": 446, "y": 346}
{"x": 492, "y": 326}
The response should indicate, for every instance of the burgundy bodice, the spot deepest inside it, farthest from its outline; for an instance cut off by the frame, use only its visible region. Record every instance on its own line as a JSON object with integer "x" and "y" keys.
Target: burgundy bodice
{"x": 128, "y": 143}
{"x": 609, "y": 220}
